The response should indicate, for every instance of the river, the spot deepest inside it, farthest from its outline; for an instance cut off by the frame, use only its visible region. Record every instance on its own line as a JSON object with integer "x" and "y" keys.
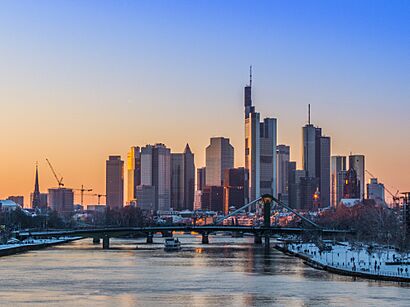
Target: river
{"x": 227, "y": 272}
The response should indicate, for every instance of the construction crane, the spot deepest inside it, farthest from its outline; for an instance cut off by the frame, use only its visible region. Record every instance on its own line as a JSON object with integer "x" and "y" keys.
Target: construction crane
{"x": 59, "y": 180}
{"x": 395, "y": 197}
{"x": 99, "y": 197}
{"x": 82, "y": 190}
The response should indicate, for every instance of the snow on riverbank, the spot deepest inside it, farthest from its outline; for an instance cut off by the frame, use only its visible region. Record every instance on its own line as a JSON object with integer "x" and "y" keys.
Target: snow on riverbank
{"x": 343, "y": 256}
{"x": 36, "y": 242}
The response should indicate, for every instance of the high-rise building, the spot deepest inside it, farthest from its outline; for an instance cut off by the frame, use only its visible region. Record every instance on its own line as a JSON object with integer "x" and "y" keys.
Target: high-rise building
{"x": 351, "y": 188}
{"x": 145, "y": 196}
{"x": 219, "y": 157}
{"x": 182, "y": 180}
{"x": 283, "y": 158}
{"x": 36, "y": 202}
{"x": 295, "y": 186}
{"x": 268, "y": 171}
{"x": 316, "y": 162}
{"x": 309, "y": 187}
{"x": 201, "y": 178}
{"x": 114, "y": 182}
{"x": 338, "y": 167}
{"x": 324, "y": 170}
{"x": 235, "y": 188}
{"x": 62, "y": 201}
{"x": 358, "y": 164}
{"x": 133, "y": 172}
{"x": 260, "y": 149}
{"x": 375, "y": 191}
{"x": 156, "y": 172}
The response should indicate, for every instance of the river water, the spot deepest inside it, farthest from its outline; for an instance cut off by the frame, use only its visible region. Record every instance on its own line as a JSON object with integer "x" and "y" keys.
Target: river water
{"x": 227, "y": 272}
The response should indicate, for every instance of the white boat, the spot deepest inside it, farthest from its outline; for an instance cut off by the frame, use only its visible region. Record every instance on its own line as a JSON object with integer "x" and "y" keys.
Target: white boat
{"x": 171, "y": 244}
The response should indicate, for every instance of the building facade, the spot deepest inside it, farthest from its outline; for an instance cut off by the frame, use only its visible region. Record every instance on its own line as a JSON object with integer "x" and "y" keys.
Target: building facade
{"x": 357, "y": 162}
{"x": 283, "y": 158}
{"x": 114, "y": 182}
{"x": 62, "y": 201}
{"x": 219, "y": 157}
{"x": 235, "y": 188}
{"x": 375, "y": 191}
{"x": 338, "y": 167}
{"x": 133, "y": 172}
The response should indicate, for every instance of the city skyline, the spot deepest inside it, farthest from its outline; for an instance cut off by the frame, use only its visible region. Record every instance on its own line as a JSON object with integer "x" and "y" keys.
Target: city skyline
{"x": 65, "y": 115}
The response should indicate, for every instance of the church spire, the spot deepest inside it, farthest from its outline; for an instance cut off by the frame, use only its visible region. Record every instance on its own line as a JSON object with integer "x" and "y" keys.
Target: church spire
{"x": 36, "y": 195}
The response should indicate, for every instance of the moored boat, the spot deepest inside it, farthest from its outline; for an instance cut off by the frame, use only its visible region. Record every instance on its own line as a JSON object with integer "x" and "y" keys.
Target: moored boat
{"x": 172, "y": 244}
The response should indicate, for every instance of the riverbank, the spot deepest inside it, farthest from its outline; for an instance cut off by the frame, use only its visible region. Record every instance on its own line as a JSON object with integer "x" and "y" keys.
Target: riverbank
{"x": 34, "y": 244}
{"x": 357, "y": 261}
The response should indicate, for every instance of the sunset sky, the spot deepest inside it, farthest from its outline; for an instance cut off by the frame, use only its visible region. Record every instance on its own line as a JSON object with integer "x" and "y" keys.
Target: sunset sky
{"x": 80, "y": 80}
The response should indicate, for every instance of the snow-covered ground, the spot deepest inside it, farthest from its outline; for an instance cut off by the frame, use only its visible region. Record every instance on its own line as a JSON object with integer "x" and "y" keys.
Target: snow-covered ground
{"x": 34, "y": 242}
{"x": 357, "y": 258}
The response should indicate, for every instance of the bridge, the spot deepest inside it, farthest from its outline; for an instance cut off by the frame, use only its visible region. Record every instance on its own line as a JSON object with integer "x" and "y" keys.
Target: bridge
{"x": 266, "y": 230}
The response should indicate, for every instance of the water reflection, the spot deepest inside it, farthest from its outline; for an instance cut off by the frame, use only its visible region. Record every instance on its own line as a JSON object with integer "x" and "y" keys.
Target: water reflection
{"x": 227, "y": 272}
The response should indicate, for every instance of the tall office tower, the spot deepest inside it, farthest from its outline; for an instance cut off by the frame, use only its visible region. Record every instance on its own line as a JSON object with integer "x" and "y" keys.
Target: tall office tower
{"x": 283, "y": 158}
{"x": 357, "y": 162}
{"x": 145, "y": 196}
{"x": 268, "y": 171}
{"x": 316, "y": 160}
{"x": 114, "y": 182}
{"x": 182, "y": 180}
{"x": 375, "y": 191}
{"x": 338, "y": 166}
{"x": 200, "y": 178}
{"x": 324, "y": 170}
{"x": 235, "y": 188}
{"x": 156, "y": 172}
{"x": 62, "y": 201}
{"x": 351, "y": 188}
{"x": 260, "y": 149}
{"x": 219, "y": 157}
{"x": 295, "y": 186}
{"x": 133, "y": 172}
{"x": 36, "y": 202}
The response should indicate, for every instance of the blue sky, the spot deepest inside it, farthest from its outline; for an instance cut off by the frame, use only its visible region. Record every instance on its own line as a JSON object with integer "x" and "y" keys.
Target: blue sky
{"x": 84, "y": 79}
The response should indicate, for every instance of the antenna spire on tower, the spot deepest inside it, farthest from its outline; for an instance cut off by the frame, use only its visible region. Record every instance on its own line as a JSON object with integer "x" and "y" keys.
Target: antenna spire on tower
{"x": 250, "y": 76}
{"x": 309, "y": 113}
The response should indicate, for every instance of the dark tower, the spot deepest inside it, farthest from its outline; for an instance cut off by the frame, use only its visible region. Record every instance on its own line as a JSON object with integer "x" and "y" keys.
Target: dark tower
{"x": 248, "y": 96}
{"x": 36, "y": 195}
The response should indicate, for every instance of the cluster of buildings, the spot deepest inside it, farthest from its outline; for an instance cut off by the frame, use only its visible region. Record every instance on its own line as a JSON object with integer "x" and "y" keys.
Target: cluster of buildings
{"x": 159, "y": 180}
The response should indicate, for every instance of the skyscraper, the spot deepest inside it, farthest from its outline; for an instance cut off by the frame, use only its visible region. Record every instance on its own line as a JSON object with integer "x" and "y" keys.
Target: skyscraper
{"x": 219, "y": 157}
{"x": 114, "y": 182}
{"x": 133, "y": 172}
{"x": 156, "y": 172}
{"x": 200, "y": 178}
{"x": 338, "y": 167}
{"x": 283, "y": 158}
{"x": 260, "y": 149}
{"x": 357, "y": 162}
{"x": 36, "y": 201}
{"x": 351, "y": 188}
{"x": 182, "y": 179}
{"x": 235, "y": 188}
{"x": 61, "y": 200}
{"x": 316, "y": 161}
{"x": 375, "y": 191}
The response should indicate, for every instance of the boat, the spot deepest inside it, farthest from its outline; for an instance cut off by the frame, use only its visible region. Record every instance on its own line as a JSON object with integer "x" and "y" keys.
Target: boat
{"x": 171, "y": 244}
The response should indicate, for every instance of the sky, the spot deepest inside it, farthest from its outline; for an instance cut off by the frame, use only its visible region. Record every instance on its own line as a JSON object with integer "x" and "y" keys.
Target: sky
{"x": 81, "y": 80}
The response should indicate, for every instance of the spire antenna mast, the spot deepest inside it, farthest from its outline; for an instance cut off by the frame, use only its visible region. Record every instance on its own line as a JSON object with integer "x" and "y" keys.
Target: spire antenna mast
{"x": 309, "y": 113}
{"x": 250, "y": 76}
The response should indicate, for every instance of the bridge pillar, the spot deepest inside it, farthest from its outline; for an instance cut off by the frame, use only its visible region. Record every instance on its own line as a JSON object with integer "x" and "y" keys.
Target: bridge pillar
{"x": 258, "y": 238}
{"x": 150, "y": 238}
{"x": 205, "y": 239}
{"x": 96, "y": 240}
{"x": 106, "y": 242}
